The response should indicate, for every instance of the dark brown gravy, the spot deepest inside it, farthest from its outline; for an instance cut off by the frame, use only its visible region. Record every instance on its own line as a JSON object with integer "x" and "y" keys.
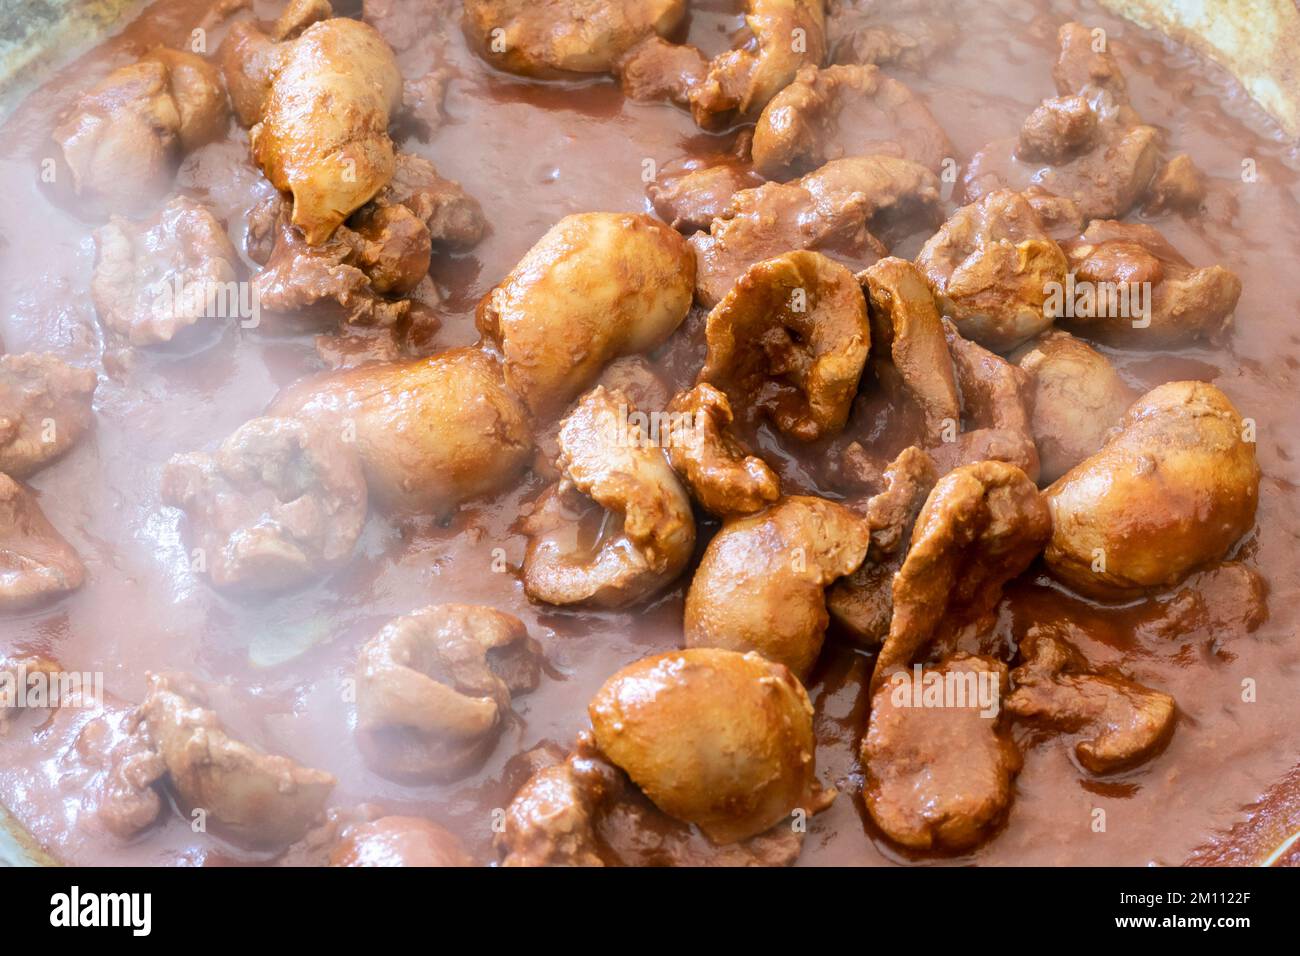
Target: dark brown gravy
{"x": 532, "y": 153}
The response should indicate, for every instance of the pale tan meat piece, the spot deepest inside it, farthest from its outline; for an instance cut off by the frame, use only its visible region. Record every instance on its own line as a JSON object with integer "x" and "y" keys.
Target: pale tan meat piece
{"x": 722, "y": 476}
{"x": 1172, "y": 491}
{"x": 1183, "y": 304}
{"x": 124, "y": 137}
{"x": 36, "y": 563}
{"x": 431, "y": 432}
{"x": 548, "y": 38}
{"x": 830, "y": 210}
{"x": 596, "y": 287}
{"x": 840, "y": 111}
{"x": 790, "y": 341}
{"x": 256, "y": 798}
{"x": 992, "y": 266}
{"x": 714, "y": 738}
{"x": 981, "y": 526}
{"x": 156, "y": 278}
{"x": 939, "y": 778}
{"x": 322, "y": 130}
{"x": 45, "y": 409}
{"x": 1076, "y": 397}
{"x": 434, "y": 689}
{"x": 280, "y": 502}
{"x": 761, "y": 584}
{"x": 121, "y": 141}
{"x": 1117, "y": 723}
{"x": 609, "y": 467}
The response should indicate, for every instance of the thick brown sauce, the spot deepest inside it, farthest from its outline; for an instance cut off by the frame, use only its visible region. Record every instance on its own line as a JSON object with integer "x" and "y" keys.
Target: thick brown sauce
{"x": 532, "y": 153}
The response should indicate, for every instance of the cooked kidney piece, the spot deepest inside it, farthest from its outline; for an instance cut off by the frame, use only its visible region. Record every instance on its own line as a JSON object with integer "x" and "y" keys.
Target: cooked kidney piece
{"x": 434, "y": 688}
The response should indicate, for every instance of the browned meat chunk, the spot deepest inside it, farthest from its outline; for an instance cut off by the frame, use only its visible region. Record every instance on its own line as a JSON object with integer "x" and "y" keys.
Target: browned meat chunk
{"x": 1058, "y": 130}
{"x": 1103, "y": 164}
{"x": 1143, "y": 292}
{"x": 454, "y": 218}
{"x": 786, "y": 34}
{"x": 256, "y": 798}
{"x": 1222, "y": 603}
{"x": 905, "y": 324}
{"x": 154, "y": 279}
{"x": 130, "y": 800}
{"x": 299, "y": 276}
{"x": 552, "y": 819}
{"x": 761, "y": 584}
{"x": 45, "y": 408}
{"x": 249, "y": 59}
{"x": 1081, "y": 67}
{"x": 596, "y": 287}
{"x": 1172, "y": 491}
{"x": 655, "y": 69}
{"x": 842, "y": 111}
{"x": 829, "y": 210}
{"x": 992, "y": 266}
{"x": 689, "y": 195}
{"x": 547, "y": 38}
{"x": 398, "y": 841}
{"x": 996, "y": 398}
{"x": 1076, "y": 397}
{"x": 938, "y": 778}
{"x": 790, "y": 341}
{"x": 714, "y": 738}
{"x": 36, "y": 564}
{"x": 863, "y": 602}
{"x": 431, "y": 432}
{"x": 1179, "y": 186}
{"x": 383, "y": 251}
{"x": 981, "y": 526}
{"x": 616, "y": 481}
{"x": 434, "y": 688}
{"x": 1117, "y": 722}
{"x": 279, "y": 502}
{"x": 721, "y": 475}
